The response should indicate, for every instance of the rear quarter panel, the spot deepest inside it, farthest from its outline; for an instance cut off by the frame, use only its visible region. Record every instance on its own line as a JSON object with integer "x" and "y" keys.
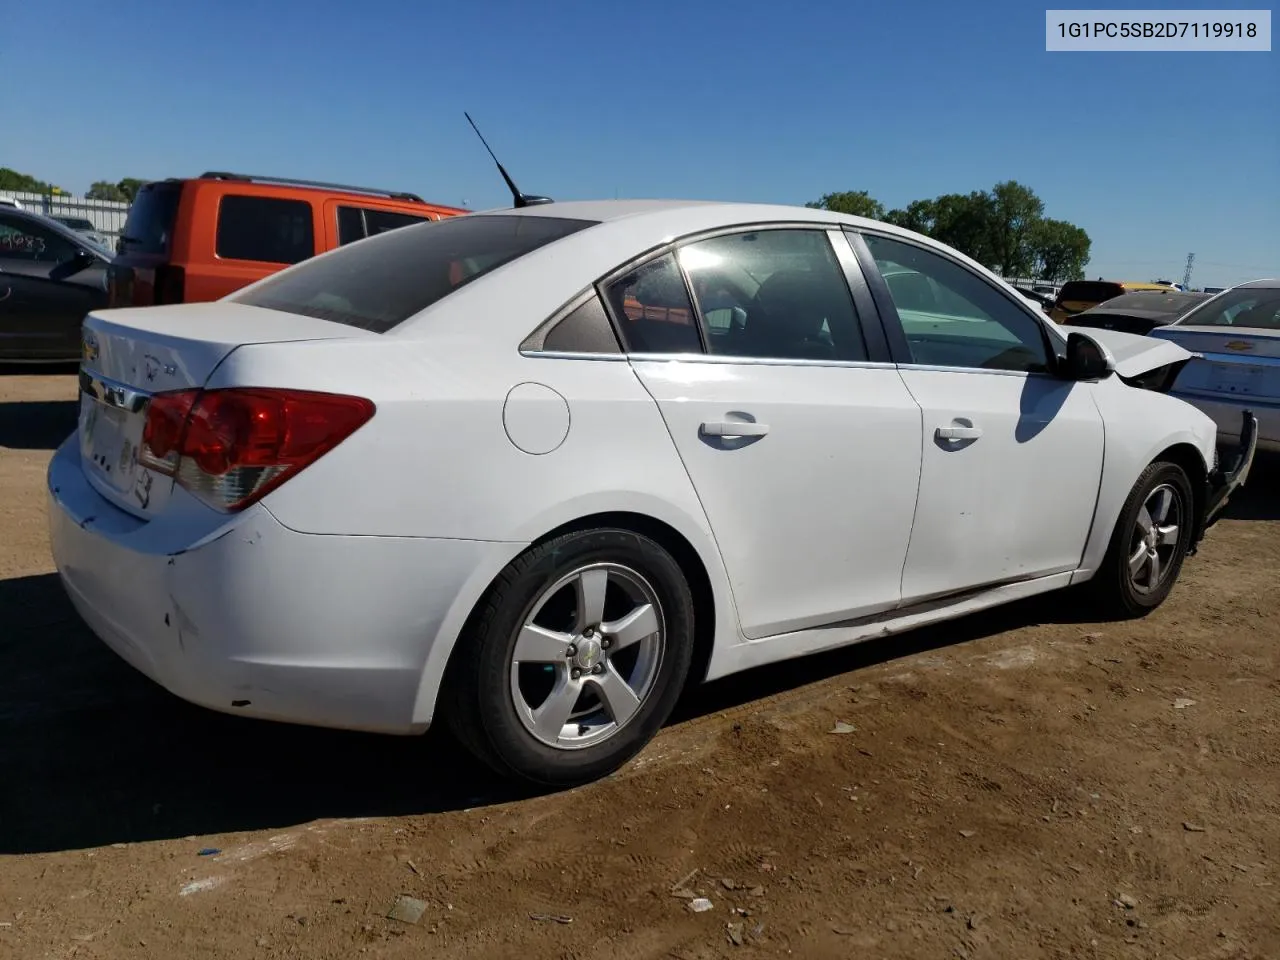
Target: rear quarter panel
{"x": 436, "y": 459}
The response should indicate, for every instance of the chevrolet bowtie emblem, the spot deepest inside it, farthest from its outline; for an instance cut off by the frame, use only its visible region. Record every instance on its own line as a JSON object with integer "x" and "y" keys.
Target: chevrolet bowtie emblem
{"x": 1239, "y": 345}
{"x": 89, "y": 348}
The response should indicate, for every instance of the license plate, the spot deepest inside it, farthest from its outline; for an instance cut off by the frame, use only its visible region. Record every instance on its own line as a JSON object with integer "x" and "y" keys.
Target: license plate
{"x": 106, "y": 440}
{"x": 1235, "y": 378}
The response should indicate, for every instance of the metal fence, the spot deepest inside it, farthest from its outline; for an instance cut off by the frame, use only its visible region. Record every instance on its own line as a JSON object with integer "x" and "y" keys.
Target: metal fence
{"x": 107, "y": 216}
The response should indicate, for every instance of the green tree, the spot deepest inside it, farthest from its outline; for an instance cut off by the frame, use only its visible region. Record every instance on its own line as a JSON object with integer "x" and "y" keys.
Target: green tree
{"x": 129, "y": 187}
{"x": 102, "y": 190}
{"x": 857, "y": 203}
{"x": 1015, "y": 210}
{"x": 919, "y": 215}
{"x": 1060, "y": 250}
{"x": 964, "y": 221}
{"x": 24, "y": 183}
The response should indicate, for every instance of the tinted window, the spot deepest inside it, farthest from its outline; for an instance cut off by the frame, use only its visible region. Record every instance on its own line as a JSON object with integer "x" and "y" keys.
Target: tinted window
{"x": 954, "y": 318}
{"x": 265, "y": 229}
{"x": 380, "y": 283}
{"x": 355, "y": 223}
{"x": 149, "y": 226}
{"x": 775, "y": 293}
{"x": 21, "y": 239}
{"x": 652, "y": 305}
{"x": 585, "y": 329}
{"x": 1248, "y": 307}
{"x": 350, "y": 225}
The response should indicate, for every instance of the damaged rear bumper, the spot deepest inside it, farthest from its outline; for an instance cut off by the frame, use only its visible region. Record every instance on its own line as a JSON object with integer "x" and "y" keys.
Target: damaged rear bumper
{"x": 1230, "y": 476}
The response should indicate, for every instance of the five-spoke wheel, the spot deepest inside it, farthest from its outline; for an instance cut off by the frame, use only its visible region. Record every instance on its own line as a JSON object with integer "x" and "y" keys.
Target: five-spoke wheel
{"x": 1148, "y": 545}
{"x": 575, "y": 658}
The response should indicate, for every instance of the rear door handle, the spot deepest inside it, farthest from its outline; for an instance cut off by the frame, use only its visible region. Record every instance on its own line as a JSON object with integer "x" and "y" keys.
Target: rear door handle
{"x": 955, "y": 432}
{"x": 733, "y": 428}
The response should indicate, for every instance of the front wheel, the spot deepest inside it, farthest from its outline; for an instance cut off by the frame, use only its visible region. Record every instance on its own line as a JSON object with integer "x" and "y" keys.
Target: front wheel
{"x": 575, "y": 658}
{"x": 1148, "y": 545}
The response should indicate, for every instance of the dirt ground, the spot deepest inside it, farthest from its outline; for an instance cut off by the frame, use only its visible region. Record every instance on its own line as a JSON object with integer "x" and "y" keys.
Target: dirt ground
{"x": 1019, "y": 784}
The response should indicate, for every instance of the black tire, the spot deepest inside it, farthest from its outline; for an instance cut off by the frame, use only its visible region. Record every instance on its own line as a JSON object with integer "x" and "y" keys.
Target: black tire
{"x": 478, "y": 701}
{"x": 1116, "y": 591}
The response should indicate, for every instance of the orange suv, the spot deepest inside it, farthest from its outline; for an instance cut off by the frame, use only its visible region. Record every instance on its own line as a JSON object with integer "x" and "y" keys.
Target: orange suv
{"x": 205, "y": 237}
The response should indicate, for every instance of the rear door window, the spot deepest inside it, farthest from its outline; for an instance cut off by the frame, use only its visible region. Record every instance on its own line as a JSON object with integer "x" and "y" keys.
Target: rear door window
{"x": 149, "y": 225}
{"x": 356, "y": 223}
{"x": 265, "y": 229}
{"x": 380, "y": 283}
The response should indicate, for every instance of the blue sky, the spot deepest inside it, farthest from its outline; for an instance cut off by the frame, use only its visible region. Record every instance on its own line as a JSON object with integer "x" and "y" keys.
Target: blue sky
{"x": 1155, "y": 155}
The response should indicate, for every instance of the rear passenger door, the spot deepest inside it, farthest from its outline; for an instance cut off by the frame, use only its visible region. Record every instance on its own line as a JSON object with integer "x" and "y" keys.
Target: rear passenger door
{"x": 801, "y": 440}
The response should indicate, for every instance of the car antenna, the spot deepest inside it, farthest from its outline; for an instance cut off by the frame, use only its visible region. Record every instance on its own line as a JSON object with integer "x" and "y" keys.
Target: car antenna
{"x": 521, "y": 199}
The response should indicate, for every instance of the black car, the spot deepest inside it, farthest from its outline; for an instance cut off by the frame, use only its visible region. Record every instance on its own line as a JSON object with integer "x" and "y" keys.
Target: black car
{"x": 50, "y": 277}
{"x": 1138, "y": 312}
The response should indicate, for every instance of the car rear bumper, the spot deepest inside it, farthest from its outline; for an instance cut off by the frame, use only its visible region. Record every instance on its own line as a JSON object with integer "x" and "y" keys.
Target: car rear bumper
{"x": 1227, "y": 415}
{"x": 261, "y": 620}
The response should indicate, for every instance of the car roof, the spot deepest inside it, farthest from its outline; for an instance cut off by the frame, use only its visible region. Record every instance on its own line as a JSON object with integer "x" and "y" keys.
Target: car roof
{"x": 1269, "y": 283}
{"x": 619, "y": 232}
{"x": 676, "y": 218}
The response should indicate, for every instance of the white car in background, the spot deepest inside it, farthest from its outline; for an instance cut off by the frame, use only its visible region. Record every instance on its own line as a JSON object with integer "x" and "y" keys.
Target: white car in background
{"x": 530, "y": 470}
{"x": 1235, "y": 340}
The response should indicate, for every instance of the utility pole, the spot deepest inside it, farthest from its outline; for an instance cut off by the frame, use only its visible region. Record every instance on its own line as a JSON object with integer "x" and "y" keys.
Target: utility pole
{"x": 1186, "y": 276}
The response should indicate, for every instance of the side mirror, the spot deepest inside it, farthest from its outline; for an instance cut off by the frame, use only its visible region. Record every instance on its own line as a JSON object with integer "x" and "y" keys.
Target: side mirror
{"x": 1087, "y": 359}
{"x": 80, "y": 260}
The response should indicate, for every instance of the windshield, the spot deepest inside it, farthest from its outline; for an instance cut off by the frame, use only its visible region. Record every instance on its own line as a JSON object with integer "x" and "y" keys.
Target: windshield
{"x": 382, "y": 281}
{"x": 1257, "y": 307}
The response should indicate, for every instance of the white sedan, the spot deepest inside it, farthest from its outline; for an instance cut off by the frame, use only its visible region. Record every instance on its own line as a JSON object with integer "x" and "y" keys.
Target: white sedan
{"x": 530, "y": 470}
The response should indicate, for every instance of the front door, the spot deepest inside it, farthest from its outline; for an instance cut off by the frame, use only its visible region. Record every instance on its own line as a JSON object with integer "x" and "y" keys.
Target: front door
{"x": 1012, "y": 455}
{"x": 804, "y": 454}
{"x": 45, "y": 291}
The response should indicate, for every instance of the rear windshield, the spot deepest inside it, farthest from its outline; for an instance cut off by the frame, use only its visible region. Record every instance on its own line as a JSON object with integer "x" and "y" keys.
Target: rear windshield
{"x": 1154, "y": 300}
{"x": 1094, "y": 291}
{"x": 1243, "y": 307}
{"x": 149, "y": 226}
{"x": 381, "y": 282}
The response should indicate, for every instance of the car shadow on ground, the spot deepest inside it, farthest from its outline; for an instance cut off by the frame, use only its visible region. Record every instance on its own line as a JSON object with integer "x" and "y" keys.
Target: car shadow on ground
{"x": 93, "y": 753}
{"x": 37, "y": 424}
{"x": 1259, "y": 498}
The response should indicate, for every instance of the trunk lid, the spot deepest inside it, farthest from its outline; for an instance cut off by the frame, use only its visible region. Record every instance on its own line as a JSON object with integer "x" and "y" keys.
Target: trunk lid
{"x": 129, "y": 355}
{"x": 1241, "y": 362}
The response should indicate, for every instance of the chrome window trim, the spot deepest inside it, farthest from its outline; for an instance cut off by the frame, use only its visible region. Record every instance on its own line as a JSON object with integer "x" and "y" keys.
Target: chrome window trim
{"x": 723, "y": 359}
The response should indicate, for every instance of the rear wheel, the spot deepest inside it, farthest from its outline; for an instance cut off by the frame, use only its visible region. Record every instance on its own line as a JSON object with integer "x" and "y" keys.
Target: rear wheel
{"x": 1149, "y": 544}
{"x": 575, "y": 659}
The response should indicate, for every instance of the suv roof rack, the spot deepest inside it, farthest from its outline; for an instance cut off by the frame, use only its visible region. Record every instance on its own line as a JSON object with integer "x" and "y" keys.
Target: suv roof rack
{"x": 347, "y": 188}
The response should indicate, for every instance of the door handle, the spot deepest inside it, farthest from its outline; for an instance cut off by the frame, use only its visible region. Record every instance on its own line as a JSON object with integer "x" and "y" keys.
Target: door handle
{"x": 956, "y": 432}
{"x": 733, "y": 428}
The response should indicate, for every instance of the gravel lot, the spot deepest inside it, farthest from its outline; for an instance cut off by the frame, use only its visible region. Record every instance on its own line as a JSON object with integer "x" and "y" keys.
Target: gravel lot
{"x": 1019, "y": 784}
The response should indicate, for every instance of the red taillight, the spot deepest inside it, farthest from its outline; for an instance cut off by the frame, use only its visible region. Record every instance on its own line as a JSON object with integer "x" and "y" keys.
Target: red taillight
{"x": 231, "y": 447}
{"x": 170, "y": 284}
{"x": 166, "y": 416}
